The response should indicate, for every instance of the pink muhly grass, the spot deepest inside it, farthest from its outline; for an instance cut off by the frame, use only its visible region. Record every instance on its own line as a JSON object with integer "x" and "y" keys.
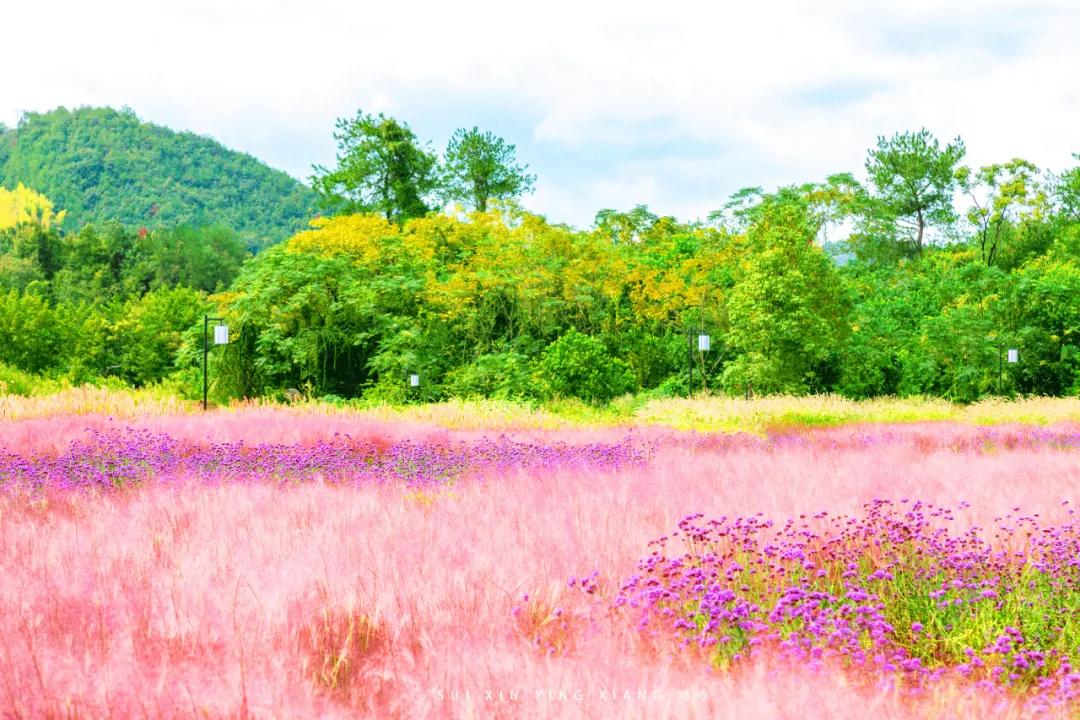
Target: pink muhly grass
{"x": 321, "y": 600}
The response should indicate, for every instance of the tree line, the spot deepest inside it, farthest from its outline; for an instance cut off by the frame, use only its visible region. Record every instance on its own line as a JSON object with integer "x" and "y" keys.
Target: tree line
{"x": 939, "y": 271}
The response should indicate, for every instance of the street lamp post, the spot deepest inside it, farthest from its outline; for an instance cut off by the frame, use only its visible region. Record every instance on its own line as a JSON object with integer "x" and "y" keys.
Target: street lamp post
{"x": 704, "y": 344}
{"x": 689, "y": 363}
{"x": 221, "y": 337}
{"x": 1001, "y": 369}
{"x": 1013, "y": 358}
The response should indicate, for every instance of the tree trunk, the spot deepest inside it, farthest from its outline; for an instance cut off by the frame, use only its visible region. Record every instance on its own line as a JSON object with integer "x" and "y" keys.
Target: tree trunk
{"x": 919, "y": 237}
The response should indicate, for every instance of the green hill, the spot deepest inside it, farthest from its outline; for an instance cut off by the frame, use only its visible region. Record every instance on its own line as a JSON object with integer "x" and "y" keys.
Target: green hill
{"x": 100, "y": 164}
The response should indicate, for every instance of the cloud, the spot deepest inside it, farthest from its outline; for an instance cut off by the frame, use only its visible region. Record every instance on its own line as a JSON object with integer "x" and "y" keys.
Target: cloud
{"x": 673, "y": 104}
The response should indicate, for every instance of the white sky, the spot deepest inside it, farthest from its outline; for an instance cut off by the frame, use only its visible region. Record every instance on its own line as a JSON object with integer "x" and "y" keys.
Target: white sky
{"x": 672, "y": 104}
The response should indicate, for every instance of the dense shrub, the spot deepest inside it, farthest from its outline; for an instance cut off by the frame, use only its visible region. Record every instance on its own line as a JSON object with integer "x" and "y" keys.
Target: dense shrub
{"x": 505, "y": 375}
{"x": 579, "y": 365}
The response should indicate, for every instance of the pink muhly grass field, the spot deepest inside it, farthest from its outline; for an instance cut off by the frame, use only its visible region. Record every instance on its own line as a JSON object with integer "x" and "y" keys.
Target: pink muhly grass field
{"x": 319, "y": 599}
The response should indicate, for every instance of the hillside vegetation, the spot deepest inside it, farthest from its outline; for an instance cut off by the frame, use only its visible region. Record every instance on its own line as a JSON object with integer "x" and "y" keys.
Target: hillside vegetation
{"x": 100, "y": 165}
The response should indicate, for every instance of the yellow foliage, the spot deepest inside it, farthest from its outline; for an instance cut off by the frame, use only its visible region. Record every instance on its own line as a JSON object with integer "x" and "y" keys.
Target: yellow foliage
{"x": 506, "y": 274}
{"x": 360, "y": 237}
{"x": 22, "y": 205}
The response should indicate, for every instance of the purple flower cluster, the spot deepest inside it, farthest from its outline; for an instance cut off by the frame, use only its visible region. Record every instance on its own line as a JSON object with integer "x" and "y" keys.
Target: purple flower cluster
{"x": 128, "y": 456}
{"x": 894, "y": 591}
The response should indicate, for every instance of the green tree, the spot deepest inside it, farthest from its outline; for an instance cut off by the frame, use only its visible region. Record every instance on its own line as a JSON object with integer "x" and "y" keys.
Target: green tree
{"x": 148, "y": 332}
{"x": 89, "y": 354}
{"x": 580, "y": 365}
{"x": 889, "y": 305}
{"x": 1001, "y": 195}
{"x": 627, "y": 227}
{"x": 1041, "y": 312}
{"x": 914, "y": 180}
{"x": 100, "y": 264}
{"x": 382, "y": 168}
{"x": 788, "y": 309}
{"x": 37, "y": 338}
{"x": 300, "y": 312}
{"x": 481, "y": 167}
{"x": 954, "y": 354}
{"x": 203, "y": 258}
{"x": 1067, "y": 192}
{"x": 18, "y": 273}
{"x": 829, "y": 202}
{"x": 505, "y": 375}
{"x": 40, "y": 245}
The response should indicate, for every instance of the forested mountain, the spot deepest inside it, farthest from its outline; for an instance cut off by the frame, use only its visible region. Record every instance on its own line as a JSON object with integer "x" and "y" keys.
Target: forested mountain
{"x": 102, "y": 165}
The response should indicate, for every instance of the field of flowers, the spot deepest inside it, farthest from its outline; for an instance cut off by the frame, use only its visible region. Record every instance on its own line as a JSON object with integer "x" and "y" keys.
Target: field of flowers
{"x": 473, "y": 561}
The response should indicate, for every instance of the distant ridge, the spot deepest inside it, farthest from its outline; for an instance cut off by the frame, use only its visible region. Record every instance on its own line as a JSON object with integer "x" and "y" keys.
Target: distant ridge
{"x": 101, "y": 164}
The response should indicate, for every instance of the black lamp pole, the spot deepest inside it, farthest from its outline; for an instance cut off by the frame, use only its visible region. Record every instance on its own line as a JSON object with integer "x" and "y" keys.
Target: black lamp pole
{"x": 205, "y": 353}
{"x": 690, "y": 361}
{"x": 1001, "y": 366}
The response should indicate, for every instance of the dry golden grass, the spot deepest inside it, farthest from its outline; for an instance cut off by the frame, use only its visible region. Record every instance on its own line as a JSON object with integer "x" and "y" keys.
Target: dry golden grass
{"x": 709, "y": 414}
{"x": 726, "y": 414}
{"x": 734, "y": 414}
{"x": 91, "y": 400}
{"x": 1038, "y": 411}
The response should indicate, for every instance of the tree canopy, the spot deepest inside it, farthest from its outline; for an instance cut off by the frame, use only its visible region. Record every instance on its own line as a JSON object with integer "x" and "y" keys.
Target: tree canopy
{"x": 501, "y": 302}
{"x": 382, "y": 168}
{"x": 481, "y": 167}
{"x": 913, "y": 179}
